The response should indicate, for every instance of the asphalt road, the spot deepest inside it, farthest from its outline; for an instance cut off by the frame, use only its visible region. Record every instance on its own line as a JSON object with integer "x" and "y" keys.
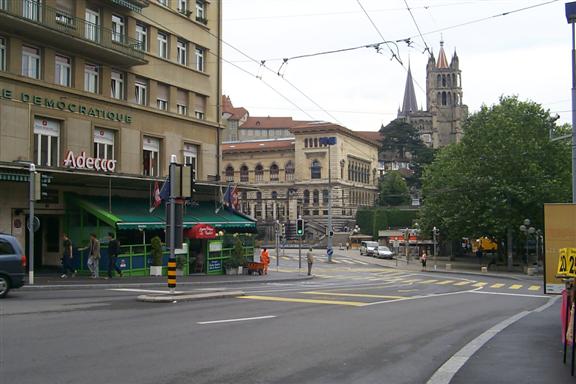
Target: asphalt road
{"x": 353, "y": 323}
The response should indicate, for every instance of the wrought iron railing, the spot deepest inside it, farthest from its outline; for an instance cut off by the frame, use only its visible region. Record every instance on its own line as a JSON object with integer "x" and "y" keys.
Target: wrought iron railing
{"x": 61, "y": 20}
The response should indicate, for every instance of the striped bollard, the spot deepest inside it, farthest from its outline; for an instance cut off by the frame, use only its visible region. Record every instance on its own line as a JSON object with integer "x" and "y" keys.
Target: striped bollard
{"x": 172, "y": 275}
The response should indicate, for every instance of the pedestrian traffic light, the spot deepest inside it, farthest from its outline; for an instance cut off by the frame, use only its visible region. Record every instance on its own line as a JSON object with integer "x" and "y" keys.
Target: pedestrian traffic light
{"x": 300, "y": 227}
{"x": 40, "y": 185}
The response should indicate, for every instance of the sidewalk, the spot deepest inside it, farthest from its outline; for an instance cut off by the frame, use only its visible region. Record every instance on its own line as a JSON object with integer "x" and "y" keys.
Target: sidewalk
{"x": 53, "y": 281}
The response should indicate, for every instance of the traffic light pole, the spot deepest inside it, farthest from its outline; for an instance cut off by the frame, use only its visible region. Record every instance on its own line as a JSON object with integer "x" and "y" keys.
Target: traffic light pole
{"x": 329, "y": 250}
{"x": 31, "y": 225}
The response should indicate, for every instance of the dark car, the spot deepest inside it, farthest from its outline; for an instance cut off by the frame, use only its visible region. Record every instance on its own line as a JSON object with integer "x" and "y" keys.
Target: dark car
{"x": 12, "y": 264}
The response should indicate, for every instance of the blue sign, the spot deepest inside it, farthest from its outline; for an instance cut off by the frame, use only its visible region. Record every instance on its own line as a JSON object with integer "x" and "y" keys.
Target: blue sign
{"x": 330, "y": 251}
{"x": 327, "y": 140}
{"x": 214, "y": 265}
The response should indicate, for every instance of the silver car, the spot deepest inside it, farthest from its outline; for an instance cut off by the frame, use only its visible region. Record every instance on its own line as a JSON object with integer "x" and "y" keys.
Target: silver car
{"x": 383, "y": 252}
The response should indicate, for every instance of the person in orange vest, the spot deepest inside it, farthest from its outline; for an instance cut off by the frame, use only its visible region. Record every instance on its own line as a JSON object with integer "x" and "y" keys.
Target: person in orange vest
{"x": 265, "y": 259}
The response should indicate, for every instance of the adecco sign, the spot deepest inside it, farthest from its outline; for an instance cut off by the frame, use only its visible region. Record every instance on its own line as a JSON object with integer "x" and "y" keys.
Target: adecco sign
{"x": 86, "y": 162}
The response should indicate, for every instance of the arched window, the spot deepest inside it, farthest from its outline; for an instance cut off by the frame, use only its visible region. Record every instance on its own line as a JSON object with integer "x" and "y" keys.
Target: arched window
{"x": 229, "y": 173}
{"x": 259, "y": 173}
{"x": 443, "y": 98}
{"x": 316, "y": 197}
{"x": 315, "y": 142}
{"x": 443, "y": 80}
{"x": 259, "y": 196}
{"x": 449, "y": 80}
{"x": 305, "y": 143}
{"x": 306, "y": 197}
{"x": 454, "y": 80}
{"x": 438, "y": 79}
{"x": 325, "y": 196}
{"x": 274, "y": 172}
{"x": 315, "y": 170}
{"x": 274, "y": 195}
{"x": 244, "y": 174}
{"x": 289, "y": 171}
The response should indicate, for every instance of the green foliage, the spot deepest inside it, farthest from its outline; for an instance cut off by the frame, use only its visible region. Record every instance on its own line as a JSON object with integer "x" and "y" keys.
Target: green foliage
{"x": 156, "y": 251}
{"x": 393, "y": 190}
{"x": 237, "y": 257}
{"x": 371, "y": 221}
{"x": 503, "y": 171}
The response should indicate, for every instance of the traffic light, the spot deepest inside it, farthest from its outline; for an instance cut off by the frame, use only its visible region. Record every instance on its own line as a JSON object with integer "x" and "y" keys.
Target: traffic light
{"x": 300, "y": 227}
{"x": 40, "y": 185}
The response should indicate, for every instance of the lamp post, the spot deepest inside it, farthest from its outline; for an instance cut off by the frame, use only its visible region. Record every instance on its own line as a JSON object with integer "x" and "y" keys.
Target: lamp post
{"x": 435, "y": 232}
{"x": 329, "y": 141}
{"x": 528, "y": 230}
{"x": 571, "y": 18}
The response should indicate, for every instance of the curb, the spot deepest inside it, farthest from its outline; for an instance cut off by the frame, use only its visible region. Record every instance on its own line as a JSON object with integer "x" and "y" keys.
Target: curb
{"x": 163, "y": 283}
{"x": 188, "y": 296}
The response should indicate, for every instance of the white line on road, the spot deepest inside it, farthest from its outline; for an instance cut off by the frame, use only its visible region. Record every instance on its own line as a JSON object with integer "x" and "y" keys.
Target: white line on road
{"x": 235, "y": 320}
{"x": 510, "y": 294}
{"x": 446, "y": 372}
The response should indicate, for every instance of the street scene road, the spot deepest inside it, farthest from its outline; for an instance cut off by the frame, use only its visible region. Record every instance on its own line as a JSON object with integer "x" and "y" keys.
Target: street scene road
{"x": 353, "y": 322}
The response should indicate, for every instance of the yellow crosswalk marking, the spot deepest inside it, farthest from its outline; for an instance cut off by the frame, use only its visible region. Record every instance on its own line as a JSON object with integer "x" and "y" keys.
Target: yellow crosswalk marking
{"x": 345, "y": 261}
{"x": 309, "y": 301}
{"x": 498, "y": 285}
{"x": 515, "y": 286}
{"x": 354, "y": 295}
{"x": 445, "y": 282}
{"x": 410, "y": 281}
{"x": 285, "y": 258}
{"x": 463, "y": 283}
{"x": 534, "y": 288}
{"x": 479, "y": 284}
{"x": 336, "y": 261}
{"x": 428, "y": 281}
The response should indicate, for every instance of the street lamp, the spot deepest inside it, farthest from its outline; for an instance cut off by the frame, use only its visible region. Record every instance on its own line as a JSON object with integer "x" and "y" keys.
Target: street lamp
{"x": 329, "y": 141}
{"x": 527, "y": 230}
{"x": 435, "y": 232}
{"x": 571, "y": 18}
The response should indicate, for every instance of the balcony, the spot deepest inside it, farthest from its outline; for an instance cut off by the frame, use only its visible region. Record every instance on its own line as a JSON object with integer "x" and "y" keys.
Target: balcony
{"x": 132, "y": 5}
{"x": 58, "y": 28}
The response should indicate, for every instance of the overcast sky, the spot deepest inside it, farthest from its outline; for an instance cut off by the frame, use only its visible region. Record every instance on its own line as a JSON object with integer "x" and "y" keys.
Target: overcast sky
{"x": 525, "y": 53}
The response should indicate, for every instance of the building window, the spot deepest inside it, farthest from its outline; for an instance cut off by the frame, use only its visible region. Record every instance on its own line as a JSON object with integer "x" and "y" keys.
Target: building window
{"x": 62, "y": 75}
{"x": 229, "y": 173}
{"x": 325, "y": 196}
{"x": 274, "y": 172}
{"x": 151, "y": 156}
{"x": 103, "y": 143}
{"x": 141, "y": 88}
{"x": 163, "y": 45}
{"x": 315, "y": 170}
{"x": 163, "y": 2}
{"x": 117, "y": 85}
{"x": 46, "y": 142}
{"x": 201, "y": 11}
{"x": 142, "y": 36}
{"x": 183, "y": 6}
{"x": 181, "y": 52}
{"x": 65, "y": 12}
{"x": 92, "y": 28}
{"x": 117, "y": 29}
{"x": 31, "y": 9}
{"x": 316, "y": 197}
{"x": 31, "y": 62}
{"x": 182, "y": 102}
{"x": 91, "y": 78}
{"x": 2, "y": 54}
{"x": 200, "y": 58}
{"x": 162, "y": 92}
{"x": 289, "y": 171}
{"x": 259, "y": 173}
{"x": 244, "y": 174}
{"x": 274, "y": 195}
{"x": 200, "y": 107}
{"x": 306, "y": 197}
{"x": 191, "y": 156}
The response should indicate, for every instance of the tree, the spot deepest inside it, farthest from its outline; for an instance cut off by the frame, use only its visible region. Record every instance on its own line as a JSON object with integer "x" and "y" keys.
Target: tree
{"x": 393, "y": 190}
{"x": 503, "y": 171}
{"x": 403, "y": 141}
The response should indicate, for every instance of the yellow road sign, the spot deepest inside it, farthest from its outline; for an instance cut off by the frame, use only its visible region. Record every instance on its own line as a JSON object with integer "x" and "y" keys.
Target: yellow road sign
{"x": 567, "y": 262}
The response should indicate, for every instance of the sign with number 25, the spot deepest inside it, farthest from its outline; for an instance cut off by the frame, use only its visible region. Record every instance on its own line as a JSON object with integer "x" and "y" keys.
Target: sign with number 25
{"x": 567, "y": 262}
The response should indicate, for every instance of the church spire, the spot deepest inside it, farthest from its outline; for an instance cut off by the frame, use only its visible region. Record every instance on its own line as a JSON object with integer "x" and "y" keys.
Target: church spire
{"x": 442, "y": 61}
{"x": 409, "y": 104}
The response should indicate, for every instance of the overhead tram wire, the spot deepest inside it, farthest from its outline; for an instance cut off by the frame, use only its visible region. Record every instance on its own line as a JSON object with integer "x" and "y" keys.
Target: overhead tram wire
{"x": 427, "y": 49}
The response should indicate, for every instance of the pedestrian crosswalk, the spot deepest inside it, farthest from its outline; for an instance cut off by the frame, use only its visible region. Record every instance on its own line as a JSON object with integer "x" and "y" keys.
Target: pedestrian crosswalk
{"x": 322, "y": 259}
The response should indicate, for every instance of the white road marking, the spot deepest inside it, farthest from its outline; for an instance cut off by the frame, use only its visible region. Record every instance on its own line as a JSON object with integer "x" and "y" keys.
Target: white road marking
{"x": 235, "y": 320}
{"x": 509, "y": 294}
{"x": 139, "y": 290}
{"x": 446, "y": 372}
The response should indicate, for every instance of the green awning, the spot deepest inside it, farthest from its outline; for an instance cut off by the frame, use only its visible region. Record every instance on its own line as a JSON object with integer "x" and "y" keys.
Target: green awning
{"x": 8, "y": 176}
{"x": 129, "y": 213}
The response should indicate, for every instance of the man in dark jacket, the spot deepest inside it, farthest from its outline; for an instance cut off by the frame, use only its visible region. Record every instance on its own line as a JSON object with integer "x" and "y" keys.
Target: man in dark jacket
{"x": 113, "y": 251}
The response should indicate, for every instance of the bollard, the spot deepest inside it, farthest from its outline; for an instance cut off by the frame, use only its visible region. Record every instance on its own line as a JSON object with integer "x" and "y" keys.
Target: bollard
{"x": 448, "y": 267}
{"x": 171, "y": 275}
{"x": 484, "y": 269}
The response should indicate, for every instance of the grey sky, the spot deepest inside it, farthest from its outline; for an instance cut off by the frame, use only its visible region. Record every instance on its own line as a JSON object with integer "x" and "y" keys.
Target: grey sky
{"x": 526, "y": 53}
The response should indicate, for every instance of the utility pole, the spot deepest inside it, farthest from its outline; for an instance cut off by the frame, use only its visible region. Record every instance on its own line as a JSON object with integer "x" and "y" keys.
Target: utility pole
{"x": 31, "y": 223}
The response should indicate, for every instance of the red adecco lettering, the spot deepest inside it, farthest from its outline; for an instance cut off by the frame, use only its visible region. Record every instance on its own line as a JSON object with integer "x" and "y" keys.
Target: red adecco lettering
{"x": 86, "y": 162}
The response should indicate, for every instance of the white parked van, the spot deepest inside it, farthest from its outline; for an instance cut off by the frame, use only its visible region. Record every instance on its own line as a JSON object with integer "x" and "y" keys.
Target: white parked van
{"x": 369, "y": 248}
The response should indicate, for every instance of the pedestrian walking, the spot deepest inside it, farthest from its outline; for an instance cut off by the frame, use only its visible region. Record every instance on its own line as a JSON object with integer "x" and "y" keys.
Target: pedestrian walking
{"x": 113, "y": 251}
{"x": 93, "y": 256}
{"x": 347, "y": 245}
{"x": 423, "y": 260}
{"x": 265, "y": 259}
{"x": 67, "y": 257}
{"x": 310, "y": 259}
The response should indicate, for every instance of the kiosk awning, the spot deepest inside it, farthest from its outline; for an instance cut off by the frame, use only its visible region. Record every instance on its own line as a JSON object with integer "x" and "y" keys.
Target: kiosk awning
{"x": 132, "y": 213}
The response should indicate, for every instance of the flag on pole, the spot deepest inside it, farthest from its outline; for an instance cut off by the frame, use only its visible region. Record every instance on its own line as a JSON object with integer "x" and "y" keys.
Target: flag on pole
{"x": 160, "y": 194}
{"x": 230, "y": 198}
